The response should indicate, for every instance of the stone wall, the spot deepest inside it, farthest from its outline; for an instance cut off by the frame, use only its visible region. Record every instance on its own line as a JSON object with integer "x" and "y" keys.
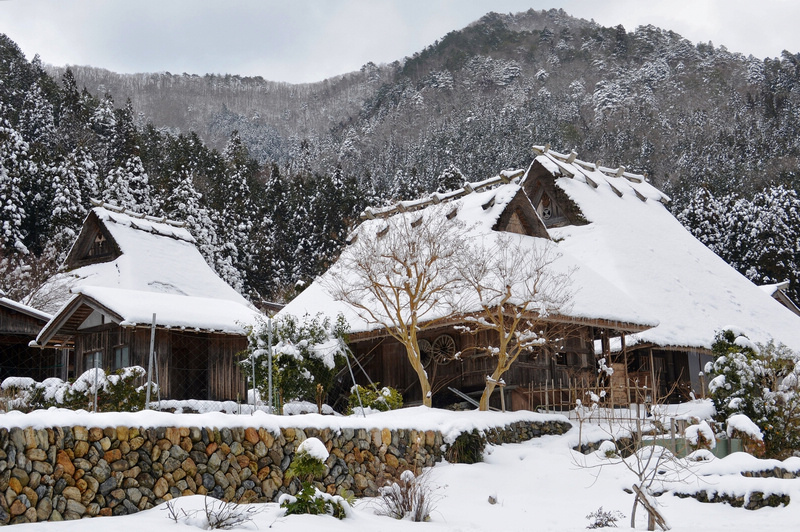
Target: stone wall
{"x": 74, "y": 472}
{"x": 754, "y": 500}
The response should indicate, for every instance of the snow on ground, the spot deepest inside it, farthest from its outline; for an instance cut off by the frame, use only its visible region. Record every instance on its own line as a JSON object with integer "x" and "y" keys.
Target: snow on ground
{"x": 539, "y": 485}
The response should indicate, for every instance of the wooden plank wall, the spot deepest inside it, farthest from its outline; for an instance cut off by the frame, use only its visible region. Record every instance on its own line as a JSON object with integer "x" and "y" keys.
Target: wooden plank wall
{"x": 16, "y": 323}
{"x": 217, "y": 353}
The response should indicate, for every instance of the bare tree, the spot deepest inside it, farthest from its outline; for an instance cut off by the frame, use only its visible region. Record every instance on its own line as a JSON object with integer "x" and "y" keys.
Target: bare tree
{"x": 400, "y": 274}
{"x": 518, "y": 288}
{"x": 629, "y": 440}
{"x": 25, "y": 278}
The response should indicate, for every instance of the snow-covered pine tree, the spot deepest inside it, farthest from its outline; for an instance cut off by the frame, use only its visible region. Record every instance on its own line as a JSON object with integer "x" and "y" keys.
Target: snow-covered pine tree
{"x": 36, "y": 119}
{"x": 772, "y": 234}
{"x": 67, "y": 206}
{"x": 704, "y": 217}
{"x": 450, "y": 179}
{"x": 15, "y": 170}
{"x": 128, "y": 186}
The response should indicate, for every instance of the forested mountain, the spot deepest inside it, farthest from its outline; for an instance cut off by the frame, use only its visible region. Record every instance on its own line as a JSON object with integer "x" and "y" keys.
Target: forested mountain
{"x": 715, "y": 129}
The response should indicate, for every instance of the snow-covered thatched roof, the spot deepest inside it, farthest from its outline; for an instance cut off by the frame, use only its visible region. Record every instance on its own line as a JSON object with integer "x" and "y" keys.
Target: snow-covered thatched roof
{"x": 633, "y": 242}
{"x": 145, "y": 266}
{"x": 634, "y": 262}
{"x": 488, "y": 210}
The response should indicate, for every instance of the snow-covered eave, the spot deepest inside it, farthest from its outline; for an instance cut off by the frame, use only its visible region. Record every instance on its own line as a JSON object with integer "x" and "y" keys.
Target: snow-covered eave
{"x": 223, "y": 331}
{"x": 25, "y": 309}
{"x": 53, "y": 335}
{"x": 377, "y": 331}
{"x": 46, "y": 337}
{"x": 635, "y": 343}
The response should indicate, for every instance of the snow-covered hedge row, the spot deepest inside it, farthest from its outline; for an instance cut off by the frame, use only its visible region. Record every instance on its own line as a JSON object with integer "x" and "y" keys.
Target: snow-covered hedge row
{"x": 116, "y": 392}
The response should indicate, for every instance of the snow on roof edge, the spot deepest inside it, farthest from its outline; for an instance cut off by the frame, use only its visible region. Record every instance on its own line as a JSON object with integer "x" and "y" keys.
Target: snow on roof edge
{"x": 25, "y": 309}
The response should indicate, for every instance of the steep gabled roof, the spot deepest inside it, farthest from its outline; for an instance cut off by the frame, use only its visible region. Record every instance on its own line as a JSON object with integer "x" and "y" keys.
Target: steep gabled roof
{"x": 153, "y": 257}
{"x": 153, "y": 267}
{"x": 103, "y": 233}
{"x": 488, "y": 208}
{"x": 634, "y": 242}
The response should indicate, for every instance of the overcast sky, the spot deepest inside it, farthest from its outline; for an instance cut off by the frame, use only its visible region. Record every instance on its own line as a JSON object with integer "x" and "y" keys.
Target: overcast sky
{"x": 310, "y": 40}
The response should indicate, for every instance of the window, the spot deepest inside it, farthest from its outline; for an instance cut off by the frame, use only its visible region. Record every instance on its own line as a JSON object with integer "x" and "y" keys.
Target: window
{"x": 93, "y": 360}
{"x": 99, "y": 246}
{"x": 121, "y": 357}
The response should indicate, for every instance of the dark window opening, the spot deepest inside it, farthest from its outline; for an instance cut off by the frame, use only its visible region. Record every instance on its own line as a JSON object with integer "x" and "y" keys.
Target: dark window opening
{"x": 99, "y": 246}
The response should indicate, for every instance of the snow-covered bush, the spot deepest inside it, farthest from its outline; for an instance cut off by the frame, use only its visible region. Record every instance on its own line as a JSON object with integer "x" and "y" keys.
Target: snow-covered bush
{"x": 215, "y": 515}
{"x": 761, "y": 382}
{"x": 412, "y": 496}
{"x": 700, "y": 455}
{"x": 17, "y": 393}
{"x": 306, "y": 353}
{"x": 309, "y": 460}
{"x": 742, "y": 427}
{"x": 700, "y": 436}
{"x": 116, "y": 392}
{"x": 602, "y": 519}
{"x": 308, "y": 464}
{"x": 467, "y": 448}
{"x": 607, "y": 449}
{"x": 374, "y": 398}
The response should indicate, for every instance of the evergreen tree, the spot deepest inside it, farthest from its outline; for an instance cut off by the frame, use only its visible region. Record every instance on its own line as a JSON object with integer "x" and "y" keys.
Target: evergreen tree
{"x": 450, "y": 179}
{"x": 15, "y": 171}
{"x": 704, "y": 217}
{"x": 770, "y": 236}
{"x": 36, "y": 120}
{"x": 128, "y": 186}
{"x": 67, "y": 205}
{"x": 237, "y": 210}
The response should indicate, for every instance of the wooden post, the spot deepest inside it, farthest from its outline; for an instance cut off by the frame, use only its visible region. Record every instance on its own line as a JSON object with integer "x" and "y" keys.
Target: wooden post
{"x": 654, "y": 516}
{"x": 546, "y": 398}
{"x": 652, "y": 376}
{"x": 150, "y": 363}
{"x": 625, "y": 359}
{"x": 64, "y": 364}
{"x": 672, "y": 434}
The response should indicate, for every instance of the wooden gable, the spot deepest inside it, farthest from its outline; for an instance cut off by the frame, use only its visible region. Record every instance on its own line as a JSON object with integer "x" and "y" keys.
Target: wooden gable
{"x": 520, "y": 217}
{"x": 93, "y": 245}
{"x": 551, "y": 203}
{"x": 62, "y": 329}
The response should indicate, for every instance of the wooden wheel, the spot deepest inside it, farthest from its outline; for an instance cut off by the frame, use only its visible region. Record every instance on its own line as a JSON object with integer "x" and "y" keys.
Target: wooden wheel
{"x": 425, "y": 352}
{"x": 443, "y": 349}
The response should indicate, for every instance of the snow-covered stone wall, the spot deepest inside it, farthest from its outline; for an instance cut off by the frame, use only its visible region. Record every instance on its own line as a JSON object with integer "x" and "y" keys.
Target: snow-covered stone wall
{"x": 51, "y": 474}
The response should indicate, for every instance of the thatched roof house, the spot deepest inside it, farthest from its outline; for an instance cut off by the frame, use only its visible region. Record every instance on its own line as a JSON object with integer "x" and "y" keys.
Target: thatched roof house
{"x": 644, "y": 287}
{"x": 124, "y": 271}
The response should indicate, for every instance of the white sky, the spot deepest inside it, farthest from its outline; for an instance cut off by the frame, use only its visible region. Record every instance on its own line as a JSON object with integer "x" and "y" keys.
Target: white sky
{"x": 310, "y": 40}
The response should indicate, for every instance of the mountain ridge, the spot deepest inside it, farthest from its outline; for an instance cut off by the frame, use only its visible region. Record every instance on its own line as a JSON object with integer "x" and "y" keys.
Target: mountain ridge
{"x": 608, "y": 92}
